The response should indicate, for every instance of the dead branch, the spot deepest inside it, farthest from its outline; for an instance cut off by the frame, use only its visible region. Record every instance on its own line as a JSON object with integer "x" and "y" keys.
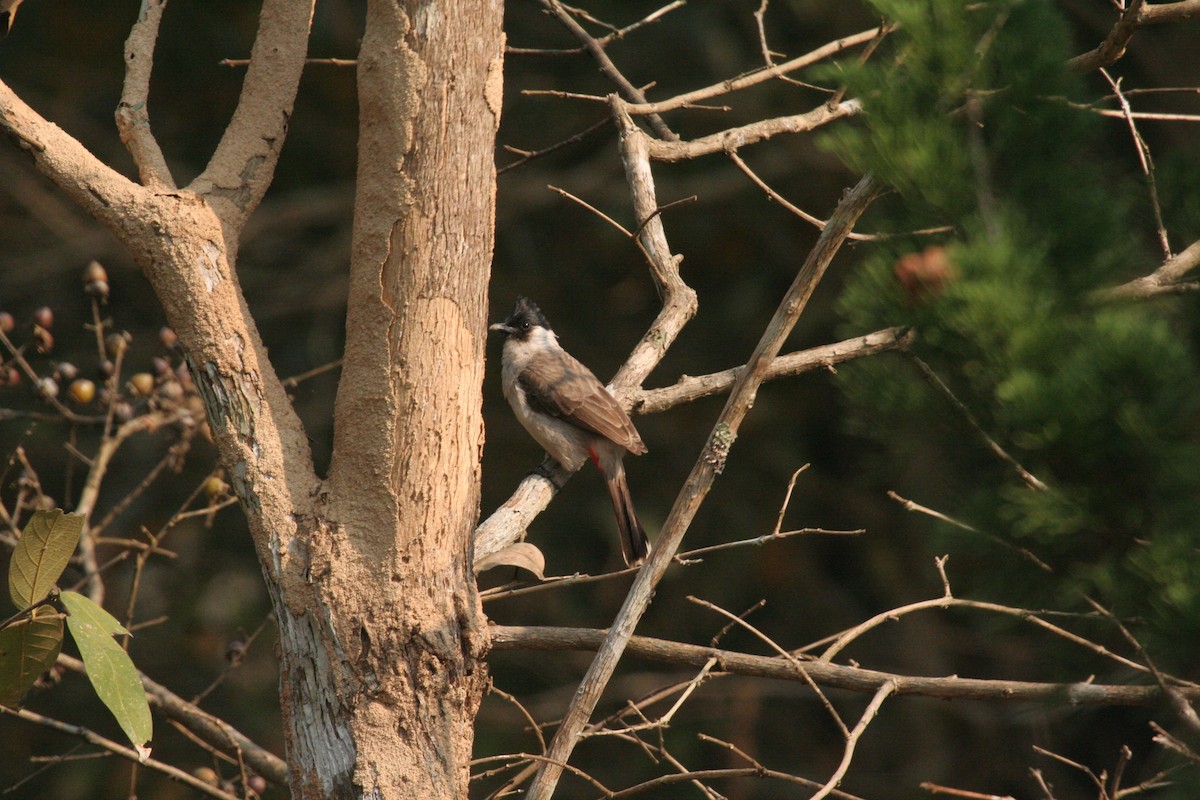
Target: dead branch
{"x": 689, "y": 388}
{"x": 1163, "y": 280}
{"x": 837, "y": 676}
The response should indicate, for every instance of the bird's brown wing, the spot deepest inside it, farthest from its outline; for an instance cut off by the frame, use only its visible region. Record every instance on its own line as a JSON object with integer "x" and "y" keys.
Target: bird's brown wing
{"x": 557, "y": 384}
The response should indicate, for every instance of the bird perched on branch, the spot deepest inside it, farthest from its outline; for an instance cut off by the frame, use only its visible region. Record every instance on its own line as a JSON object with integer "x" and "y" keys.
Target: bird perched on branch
{"x": 570, "y": 413}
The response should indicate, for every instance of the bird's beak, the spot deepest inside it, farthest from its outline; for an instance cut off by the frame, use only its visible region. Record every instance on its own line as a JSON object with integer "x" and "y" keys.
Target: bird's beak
{"x": 500, "y": 326}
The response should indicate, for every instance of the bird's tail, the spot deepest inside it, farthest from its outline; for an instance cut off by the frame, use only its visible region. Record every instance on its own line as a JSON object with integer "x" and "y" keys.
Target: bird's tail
{"x": 634, "y": 544}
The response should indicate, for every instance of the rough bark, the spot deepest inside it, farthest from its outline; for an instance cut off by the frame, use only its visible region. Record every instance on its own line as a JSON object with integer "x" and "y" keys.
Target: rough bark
{"x": 381, "y": 630}
{"x": 403, "y": 497}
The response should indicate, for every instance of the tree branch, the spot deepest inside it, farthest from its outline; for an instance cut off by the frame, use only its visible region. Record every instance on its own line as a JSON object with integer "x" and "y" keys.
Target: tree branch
{"x": 1113, "y": 47}
{"x": 835, "y": 676}
{"x": 1163, "y": 280}
{"x": 689, "y": 388}
{"x": 214, "y": 731}
{"x": 628, "y": 91}
{"x": 754, "y": 132}
{"x": 241, "y": 168}
{"x": 93, "y": 738}
{"x": 101, "y": 191}
{"x": 133, "y": 114}
{"x": 760, "y": 75}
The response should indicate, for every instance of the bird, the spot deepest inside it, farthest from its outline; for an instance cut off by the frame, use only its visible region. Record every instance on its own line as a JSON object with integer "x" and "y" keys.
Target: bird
{"x": 563, "y": 406}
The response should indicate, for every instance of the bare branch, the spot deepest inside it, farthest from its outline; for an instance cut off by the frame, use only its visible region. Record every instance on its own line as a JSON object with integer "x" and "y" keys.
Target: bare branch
{"x": 628, "y": 91}
{"x": 1170, "y": 12}
{"x": 689, "y": 388}
{"x": 836, "y": 676}
{"x": 216, "y": 732}
{"x": 818, "y": 222}
{"x": 1164, "y": 279}
{"x": 868, "y": 714}
{"x": 1030, "y": 479}
{"x": 93, "y": 738}
{"x": 243, "y": 164}
{"x": 1113, "y": 47}
{"x": 754, "y": 132}
{"x": 758, "y": 76}
{"x": 133, "y": 114}
{"x": 1146, "y": 162}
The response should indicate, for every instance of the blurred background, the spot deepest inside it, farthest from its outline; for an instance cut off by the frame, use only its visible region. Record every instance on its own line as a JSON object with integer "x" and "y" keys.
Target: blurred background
{"x": 741, "y": 251}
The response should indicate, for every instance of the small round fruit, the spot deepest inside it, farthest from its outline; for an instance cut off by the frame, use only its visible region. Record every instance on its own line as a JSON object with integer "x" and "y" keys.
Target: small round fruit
{"x": 48, "y": 387}
{"x": 66, "y": 371}
{"x": 82, "y": 391}
{"x": 98, "y": 290}
{"x": 207, "y": 775}
{"x": 214, "y": 487}
{"x": 44, "y": 317}
{"x": 167, "y": 337}
{"x": 7, "y": 323}
{"x": 93, "y": 272}
{"x": 142, "y": 384}
{"x": 116, "y": 343}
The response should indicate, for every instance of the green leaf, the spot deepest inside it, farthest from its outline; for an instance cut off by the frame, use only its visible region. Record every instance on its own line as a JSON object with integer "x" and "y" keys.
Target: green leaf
{"x": 47, "y": 543}
{"x": 27, "y": 649}
{"x": 109, "y": 667}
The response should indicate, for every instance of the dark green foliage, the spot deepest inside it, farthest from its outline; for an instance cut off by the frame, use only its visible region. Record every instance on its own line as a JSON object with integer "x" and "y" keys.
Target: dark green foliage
{"x": 968, "y": 120}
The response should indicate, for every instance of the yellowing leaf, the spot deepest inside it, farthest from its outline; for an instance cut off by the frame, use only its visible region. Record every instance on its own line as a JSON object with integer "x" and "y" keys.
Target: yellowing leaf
{"x": 28, "y": 649}
{"x": 109, "y": 667}
{"x": 42, "y": 553}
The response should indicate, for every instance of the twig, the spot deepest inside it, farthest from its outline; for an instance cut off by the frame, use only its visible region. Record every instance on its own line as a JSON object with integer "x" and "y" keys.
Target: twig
{"x": 689, "y": 99}
{"x": 603, "y": 41}
{"x": 754, "y": 132}
{"x": 533, "y": 725}
{"x": 938, "y": 384}
{"x": 296, "y": 380}
{"x": 934, "y": 788}
{"x": 1146, "y": 162}
{"x": 1024, "y": 552}
{"x": 630, "y": 92}
{"x": 791, "y": 659}
{"x": 216, "y": 732}
{"x": 868, "y": 715}
{"x": 817, "y": 221}
{"x": 308, "y": 62}
{"x": 530, "y": 155}
{"x": 593, "y": 209}
{"x": 91, "y": 737}
{"x": 1178, "y": 702}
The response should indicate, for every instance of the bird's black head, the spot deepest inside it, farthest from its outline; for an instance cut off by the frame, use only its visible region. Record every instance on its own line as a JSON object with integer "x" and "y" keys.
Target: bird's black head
{"x": 525, "y": 317}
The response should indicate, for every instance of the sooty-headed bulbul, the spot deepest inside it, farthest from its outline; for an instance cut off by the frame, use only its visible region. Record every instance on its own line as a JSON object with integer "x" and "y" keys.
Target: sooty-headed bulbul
{"x": 570, "y": 413}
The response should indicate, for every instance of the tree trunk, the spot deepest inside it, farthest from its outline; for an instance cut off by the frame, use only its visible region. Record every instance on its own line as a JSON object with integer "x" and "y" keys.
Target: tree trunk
{"x": 381, "y": 630}
{"x": 389, "y": 669}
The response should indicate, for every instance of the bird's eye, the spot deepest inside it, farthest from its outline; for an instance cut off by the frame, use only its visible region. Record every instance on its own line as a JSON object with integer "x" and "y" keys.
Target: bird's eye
{"x": 525, "y": 325}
